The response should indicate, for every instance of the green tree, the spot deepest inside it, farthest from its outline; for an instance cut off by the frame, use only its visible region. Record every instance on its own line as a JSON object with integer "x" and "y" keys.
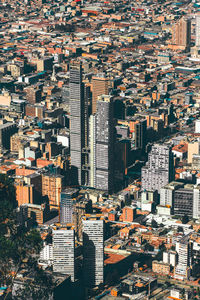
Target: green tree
{"x": 180, "y": 229}
{"x": 154, "y": 224}
{"x": 19, "y": 247}
{"x": 185, "y": 219}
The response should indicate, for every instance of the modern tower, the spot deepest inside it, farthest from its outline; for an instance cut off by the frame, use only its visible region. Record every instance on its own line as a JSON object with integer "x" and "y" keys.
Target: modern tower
{"x": 93, "y": 250}
{"x": 181, "y": 33}
{"x": 67, "y": 199}
{"x": 140, "y": 134}
{"x": 159, "y": 169}
{"x": 102, "y": 145}
{"x": 64, "y": 250}
{"x": 77, "y": 121}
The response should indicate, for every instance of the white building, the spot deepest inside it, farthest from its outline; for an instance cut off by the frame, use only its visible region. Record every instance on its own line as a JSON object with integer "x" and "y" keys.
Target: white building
{"x": 184, "y": 250}
{"x": 197, "y": 126}
{"x": 46, "y": 255}
{"x": 63, "y": 250}
{"x": 196, "y": 202}
{"x": 197, "y": 42}
{"x": 170, "y": 257}
{"x": 93, "y": 251}
{"x": 167, "y": 193}
{"x": 63, "y": 139}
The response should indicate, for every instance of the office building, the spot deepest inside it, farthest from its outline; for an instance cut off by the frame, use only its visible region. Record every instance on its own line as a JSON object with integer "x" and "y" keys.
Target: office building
{"x": 159, "y": 169}
{"x": 64, "y": 250}
{"x": 33, "y": 94}
{"x": 102, "y": 145}
{"x": 93, "y": 250}
{"x": 181, "y": 33}
{"x": 77, "y": 122}
{"x": 140, "y": 134}
{"x": 167, "y": 194}
{"x": 67, "y": 199}
{"x": 100, "y": 86}
{"x": 183, "y": 201}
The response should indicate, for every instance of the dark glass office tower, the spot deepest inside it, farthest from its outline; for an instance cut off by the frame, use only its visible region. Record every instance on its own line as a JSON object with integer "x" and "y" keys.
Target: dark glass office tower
{"x": 77, "y": 122}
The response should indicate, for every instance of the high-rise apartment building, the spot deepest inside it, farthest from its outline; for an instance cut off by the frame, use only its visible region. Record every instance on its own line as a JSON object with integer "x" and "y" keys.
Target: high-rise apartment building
{"x": 67, "y": 199}
{"x": 77, "y": 121}
{"x": 181, "y": 33}
{"x": 102, "y": 145}
{"x": 100, "y": 86}
{"x": 159, "y": 169}
{"x": 93, "y": 250}
{"x": 140, "y": 134}
{"x": 197, "y": 28}
{"x": 184, "y": 250}
{"x": 64, "y": 250}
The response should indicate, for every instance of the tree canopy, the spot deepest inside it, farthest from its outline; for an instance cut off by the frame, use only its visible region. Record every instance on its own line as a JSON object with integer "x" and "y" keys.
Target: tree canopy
{"x": 19, "y": 249}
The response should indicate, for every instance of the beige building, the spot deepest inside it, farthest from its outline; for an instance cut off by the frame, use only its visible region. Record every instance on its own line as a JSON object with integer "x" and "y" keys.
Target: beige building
{"x": 160, "y": 267}
{"x": 181, "y": 33}
{"x": 193, "y": 148}
{"x": 51, "y": 187}
{"x": 5, "y": 99}
{"x": 16, "y": 70}
{"x": 45, "y": 64}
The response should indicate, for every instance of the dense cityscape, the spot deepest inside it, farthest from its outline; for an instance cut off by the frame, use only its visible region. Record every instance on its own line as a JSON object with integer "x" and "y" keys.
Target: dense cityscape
{"x": 100, "y": 149}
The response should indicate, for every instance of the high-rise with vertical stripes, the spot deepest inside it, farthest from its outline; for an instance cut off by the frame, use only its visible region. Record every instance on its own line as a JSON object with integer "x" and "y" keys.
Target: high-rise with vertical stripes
{"x": 102, "y": 145}
{"x": 77, "y": 121}
{"x": 93, "y": 250}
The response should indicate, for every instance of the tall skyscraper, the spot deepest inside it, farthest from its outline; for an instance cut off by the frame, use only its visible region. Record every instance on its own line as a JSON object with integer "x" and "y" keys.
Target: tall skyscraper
{"x": 100, "y": 86}
{"x": 77, "y": 121}
{"x": 93, "y": 250}
{"x": 67, "y": 199}
{"x": 102, "y": 145}
{"x": 197, "y": 28}
{"x": 63, "y": 250}
{"x": 159, "y": 169}
{"x": 140, "y": 134}
{"x": 181, "y": 33}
